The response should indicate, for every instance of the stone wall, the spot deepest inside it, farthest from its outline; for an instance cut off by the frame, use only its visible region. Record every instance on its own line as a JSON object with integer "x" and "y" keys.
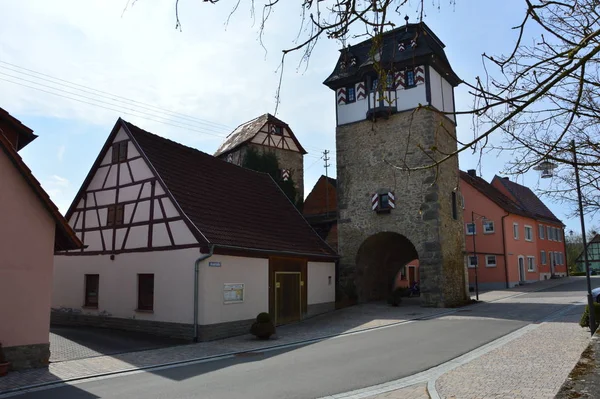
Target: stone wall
{"x": 423, "y": 198}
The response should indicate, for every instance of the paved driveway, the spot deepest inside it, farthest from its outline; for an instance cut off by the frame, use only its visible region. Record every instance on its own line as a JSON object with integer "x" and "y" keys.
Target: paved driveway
{"x": 70, "y": 343}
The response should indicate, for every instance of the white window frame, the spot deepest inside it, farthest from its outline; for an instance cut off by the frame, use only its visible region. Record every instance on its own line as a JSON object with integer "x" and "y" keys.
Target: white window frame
{"x": 491, "y": 223}
{"x": 559, "y": 234}
{"x": 542, "y": 231}
{"x": 467, "y": 229}
{"x": 543, "y": 258}
{"x": 531, "y": 263}
{"x": 516, "y": 231}
{"x": 469, "y": 264}
{"x": 487, "y": 261}
{"x": 530, "y": 229}
{"x": 549, "y": 233}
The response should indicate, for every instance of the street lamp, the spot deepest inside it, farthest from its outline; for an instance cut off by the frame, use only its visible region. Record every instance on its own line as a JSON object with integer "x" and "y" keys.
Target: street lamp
{"x": 546, "y": 169}
{"x": 475, "y": 251}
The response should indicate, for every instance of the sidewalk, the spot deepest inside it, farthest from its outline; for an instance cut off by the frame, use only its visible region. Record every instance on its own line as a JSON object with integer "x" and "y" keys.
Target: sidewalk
{"x": 357, "y": 318}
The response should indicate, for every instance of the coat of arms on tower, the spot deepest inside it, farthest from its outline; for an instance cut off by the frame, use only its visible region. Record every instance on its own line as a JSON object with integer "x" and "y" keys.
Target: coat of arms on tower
{"x": 286, "y": 174}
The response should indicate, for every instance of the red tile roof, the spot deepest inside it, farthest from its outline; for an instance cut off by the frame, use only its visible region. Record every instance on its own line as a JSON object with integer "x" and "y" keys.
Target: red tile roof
{"x": 25, "y": 134}
{"x": 64, "y": 237}
{"x": 493, "y": 194}
{"x": 528, "y": 200}
{"x": 230, "y": 206}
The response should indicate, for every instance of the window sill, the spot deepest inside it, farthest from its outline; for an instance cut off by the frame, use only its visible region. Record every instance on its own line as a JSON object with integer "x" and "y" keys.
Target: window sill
{"x": 490, "y": 265}
{"x": 489, "y": 232}
{"x": 90, "y": 307}
{"x": 144, "y": 310}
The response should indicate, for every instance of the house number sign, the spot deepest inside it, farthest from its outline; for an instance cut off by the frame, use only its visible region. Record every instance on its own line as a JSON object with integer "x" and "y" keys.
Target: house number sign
{"x": 233, "y": 293}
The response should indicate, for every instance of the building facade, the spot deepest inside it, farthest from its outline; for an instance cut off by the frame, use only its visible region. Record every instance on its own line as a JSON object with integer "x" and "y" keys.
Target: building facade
{"x": 593, "y": 248}
{"x": 183, "y": 244}
{"x": 394, "y": 105}
{"x": 511, "y": 237}
{"x": 31, "y": 229}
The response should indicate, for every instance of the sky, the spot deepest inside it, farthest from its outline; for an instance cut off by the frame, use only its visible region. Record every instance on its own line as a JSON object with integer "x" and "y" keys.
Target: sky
{"x": 105, "y": 59}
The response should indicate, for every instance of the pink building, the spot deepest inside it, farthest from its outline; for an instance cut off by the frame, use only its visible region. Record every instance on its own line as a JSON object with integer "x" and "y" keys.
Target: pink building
{"x": 31, "y": 230}
{"x": 511, "y": 237}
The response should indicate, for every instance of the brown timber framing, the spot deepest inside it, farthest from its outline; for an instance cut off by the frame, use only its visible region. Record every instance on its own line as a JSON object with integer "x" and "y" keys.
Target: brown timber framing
{"x": 123, "y": 186}
{"x": 134, "y": 224}
{"x": 83, "y": 220}
{"x": 125, "y": 202}
{"x": 129, "y": 169}
{"x": 99, "y": 222}
{"x": 114, "y": 226}
{"x": 151, "y": 216}
{"x": 132, "y": 215}
{"x": 164, "y": 215}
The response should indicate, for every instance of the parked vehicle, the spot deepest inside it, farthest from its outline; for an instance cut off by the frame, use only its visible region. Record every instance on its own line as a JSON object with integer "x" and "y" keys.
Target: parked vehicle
{"x": 596, "y": 294}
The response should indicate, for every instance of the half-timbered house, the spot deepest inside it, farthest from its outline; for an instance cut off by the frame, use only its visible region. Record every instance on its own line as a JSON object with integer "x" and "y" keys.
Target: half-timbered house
{"x": 184, "y": 244}
{"x": 267, "y": 133}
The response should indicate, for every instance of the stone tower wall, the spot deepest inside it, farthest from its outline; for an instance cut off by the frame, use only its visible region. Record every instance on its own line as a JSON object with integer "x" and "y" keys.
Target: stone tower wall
{"x": 362, "y": 149}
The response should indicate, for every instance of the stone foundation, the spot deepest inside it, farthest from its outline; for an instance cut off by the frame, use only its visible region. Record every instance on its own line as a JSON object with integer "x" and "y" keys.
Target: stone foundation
{"x": 27, "y": 356}
{"x": 319, "y": 308}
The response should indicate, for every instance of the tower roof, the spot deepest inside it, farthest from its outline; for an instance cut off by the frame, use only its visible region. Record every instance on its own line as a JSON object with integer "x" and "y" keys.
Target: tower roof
{"x": 248, "y": 130}
{"x": 357, "y": 60}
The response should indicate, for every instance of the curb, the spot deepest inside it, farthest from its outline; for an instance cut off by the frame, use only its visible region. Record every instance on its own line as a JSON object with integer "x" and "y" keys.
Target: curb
{"x": 205, "y": 359}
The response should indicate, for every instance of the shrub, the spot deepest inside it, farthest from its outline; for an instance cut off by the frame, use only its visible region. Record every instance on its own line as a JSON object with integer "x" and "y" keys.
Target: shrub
{"x": 578, "y": 274}
{"x": 585, "y": 317}
{"x": 263, "y": 317}
{"x": 395, "y": 297}
{"x": 263, "y": 327}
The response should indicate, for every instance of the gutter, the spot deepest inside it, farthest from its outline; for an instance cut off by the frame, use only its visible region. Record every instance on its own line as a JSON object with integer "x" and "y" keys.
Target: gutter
{"x": 273, "y": 251}
{"x": 211, "y": 249}
{"x": 504, "y": 249}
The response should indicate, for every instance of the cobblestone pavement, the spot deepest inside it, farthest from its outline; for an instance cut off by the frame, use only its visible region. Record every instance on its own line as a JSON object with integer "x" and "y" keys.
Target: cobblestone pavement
{"x": 533, "y": 366}
{"x": 347, "y": 320}
{"x": 418, "y": 391}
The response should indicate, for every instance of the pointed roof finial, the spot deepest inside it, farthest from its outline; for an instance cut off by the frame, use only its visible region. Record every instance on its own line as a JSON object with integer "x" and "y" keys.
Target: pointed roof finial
{"x": 406, "y": 19}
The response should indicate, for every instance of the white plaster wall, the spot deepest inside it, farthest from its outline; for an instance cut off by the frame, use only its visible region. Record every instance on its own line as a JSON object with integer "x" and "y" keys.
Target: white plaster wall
{"x": 173, "y": 283}
{"x": 411, "y": 98}
{"x": 140, "y": 170}
{"x": 98, "y": 178}
{"x": 121, "y": 135}
{"x": 252, "y": 272}
{"x": 181, "y": 233}
{"x": 170, "y": 210}
{"x": 137, "y": 238}
{"x": 160, "y": 236}
{"x": 106, "y": 197}
{"x": 93, "y": 240}
{"x": 448, "y": 98}
{"x": 353, "y": 112}
{"x": 435, "y": 81}
{"x": 132, "y": 152}
{"x": 319, "y": 290}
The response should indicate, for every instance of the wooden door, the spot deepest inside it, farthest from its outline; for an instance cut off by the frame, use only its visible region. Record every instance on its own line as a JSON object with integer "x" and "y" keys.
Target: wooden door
{"x": 288, "y": 297}
{"x": 411, "y": 275}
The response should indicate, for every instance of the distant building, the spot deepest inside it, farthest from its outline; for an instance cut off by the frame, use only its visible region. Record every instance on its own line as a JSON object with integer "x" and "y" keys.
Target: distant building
{"x": 267, "y": 133}
{"x": 184, "y": 244}
{"x": 511, "y": 237}
{"x": 320, "y": 209}
{"x": 593, "y": 251}
{"x": 31, "y": 229}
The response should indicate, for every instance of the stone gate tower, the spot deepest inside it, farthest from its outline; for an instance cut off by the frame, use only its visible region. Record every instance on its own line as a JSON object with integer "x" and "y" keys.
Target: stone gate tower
{"x": 394, "y": 104}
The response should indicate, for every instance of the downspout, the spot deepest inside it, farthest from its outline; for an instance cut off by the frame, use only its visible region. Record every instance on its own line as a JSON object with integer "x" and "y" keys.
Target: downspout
{"x": 504, "y": 250}
{"x": 562, "y": 233}
{"x": 211, "y": 249}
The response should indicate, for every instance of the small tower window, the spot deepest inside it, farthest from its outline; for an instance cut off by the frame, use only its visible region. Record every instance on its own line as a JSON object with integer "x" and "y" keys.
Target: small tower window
{"x": 409, "y": 80}
{"x": 374, "y": 84}
{"x": 351, "y": 95}
{"x": 384, "y": 201}
{"x": 278, "y": 130}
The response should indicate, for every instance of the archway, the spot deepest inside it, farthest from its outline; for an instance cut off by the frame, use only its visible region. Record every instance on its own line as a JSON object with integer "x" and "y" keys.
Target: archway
{"x": 378, "y": 261}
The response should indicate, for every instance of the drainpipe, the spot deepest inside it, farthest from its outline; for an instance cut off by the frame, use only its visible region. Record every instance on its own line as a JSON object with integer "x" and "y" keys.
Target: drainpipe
{"x": 211, "y": 249}
{"x": 504, "y": 250}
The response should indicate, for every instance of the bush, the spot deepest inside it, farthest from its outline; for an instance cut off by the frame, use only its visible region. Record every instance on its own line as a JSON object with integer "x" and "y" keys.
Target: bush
{"x": 263, "y": 317}
{"x": 263, "y": 327}
{"x": 585, "y": 317}
{"x": 578, "y": 274}
{"x": 395, "y": 297}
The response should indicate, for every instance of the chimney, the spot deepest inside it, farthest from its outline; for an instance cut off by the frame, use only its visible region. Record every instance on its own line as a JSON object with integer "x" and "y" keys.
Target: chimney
{"x": 472, "y": 172}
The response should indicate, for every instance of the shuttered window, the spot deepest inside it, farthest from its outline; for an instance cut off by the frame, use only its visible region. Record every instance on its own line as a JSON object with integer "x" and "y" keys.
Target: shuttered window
{"x": 115, "y": 216}
{"x": 119, "y": 152}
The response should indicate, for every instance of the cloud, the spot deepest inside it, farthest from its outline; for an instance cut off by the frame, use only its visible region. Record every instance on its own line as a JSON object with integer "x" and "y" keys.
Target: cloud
{"x": 61, "y": 153}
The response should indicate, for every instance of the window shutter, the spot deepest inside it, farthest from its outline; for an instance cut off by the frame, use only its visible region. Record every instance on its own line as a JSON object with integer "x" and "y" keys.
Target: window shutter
{"x": 119, "y": 217}
{"x": 391, "y": 199}
{"x": 110, "y": 220}
{"x": 123, "y": 151}
{"x": 374, "y": 201}
{"x": 115, "y": 153}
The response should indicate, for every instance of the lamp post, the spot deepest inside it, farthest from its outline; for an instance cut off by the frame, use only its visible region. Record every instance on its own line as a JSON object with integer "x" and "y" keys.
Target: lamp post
{"x": 546, "y": 168}
{"x": 475, "y": 252}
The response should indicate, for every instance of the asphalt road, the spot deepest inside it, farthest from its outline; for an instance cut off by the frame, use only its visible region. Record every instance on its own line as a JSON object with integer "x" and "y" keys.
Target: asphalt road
{"x": 336, "y": 365}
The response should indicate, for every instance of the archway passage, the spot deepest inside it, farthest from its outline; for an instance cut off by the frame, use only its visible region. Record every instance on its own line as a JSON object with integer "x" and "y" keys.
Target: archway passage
{"x": 379, "y": 259}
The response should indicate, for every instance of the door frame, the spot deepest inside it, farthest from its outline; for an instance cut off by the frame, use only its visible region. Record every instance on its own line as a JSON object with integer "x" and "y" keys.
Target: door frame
{"x": 300, "y": 281}
{"x": 521, "y": 269}
{"x": 288, "y": 264}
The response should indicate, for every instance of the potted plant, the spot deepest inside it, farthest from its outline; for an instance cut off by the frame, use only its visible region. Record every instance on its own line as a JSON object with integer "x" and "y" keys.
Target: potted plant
{"x": 263, "y": 327}
{"x": 3, "y": 363}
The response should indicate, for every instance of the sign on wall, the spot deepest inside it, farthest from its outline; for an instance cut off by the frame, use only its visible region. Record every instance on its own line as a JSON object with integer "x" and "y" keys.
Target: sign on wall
{"x": 233, "y": 293}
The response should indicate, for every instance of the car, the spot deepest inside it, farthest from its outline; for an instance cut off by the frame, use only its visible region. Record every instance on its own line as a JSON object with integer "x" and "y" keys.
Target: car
{"x": 596, "y": 294}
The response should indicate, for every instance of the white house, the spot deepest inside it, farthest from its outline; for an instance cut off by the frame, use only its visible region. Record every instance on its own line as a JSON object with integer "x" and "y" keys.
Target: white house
{"x": 184, "y": 244}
